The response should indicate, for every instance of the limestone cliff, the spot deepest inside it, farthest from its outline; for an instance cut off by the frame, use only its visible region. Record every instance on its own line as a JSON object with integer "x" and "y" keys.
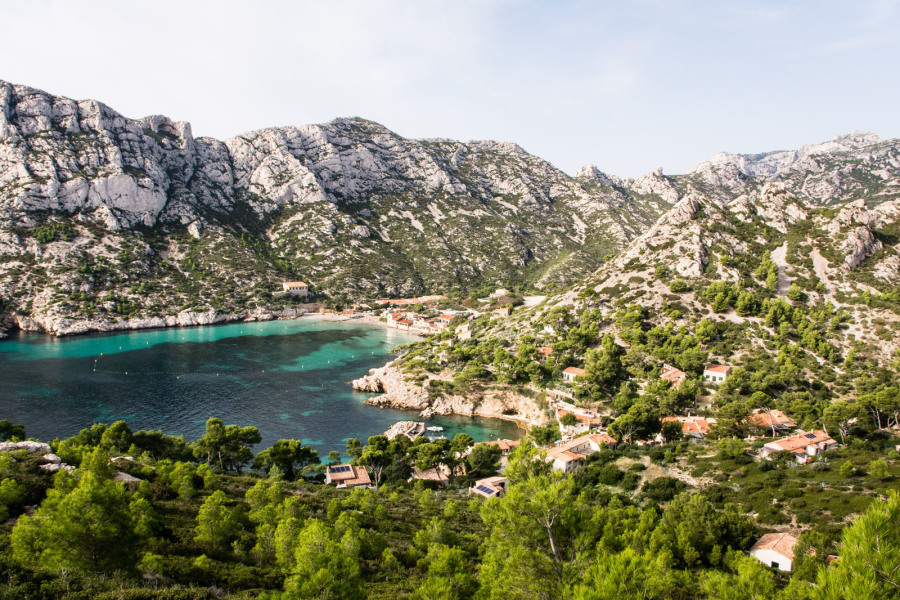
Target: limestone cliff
{"x": 398, "y": 392}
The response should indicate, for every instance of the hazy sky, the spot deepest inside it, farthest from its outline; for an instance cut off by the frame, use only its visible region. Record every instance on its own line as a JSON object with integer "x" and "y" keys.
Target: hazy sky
{"x": 629, "y": 86}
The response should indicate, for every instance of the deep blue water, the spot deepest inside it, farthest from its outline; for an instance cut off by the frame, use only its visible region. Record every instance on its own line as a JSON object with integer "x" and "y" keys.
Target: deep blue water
{"x": 289, "y": 378}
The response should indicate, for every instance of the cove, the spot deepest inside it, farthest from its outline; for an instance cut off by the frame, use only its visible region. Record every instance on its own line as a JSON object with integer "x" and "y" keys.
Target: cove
{"x": 289, "y": 378}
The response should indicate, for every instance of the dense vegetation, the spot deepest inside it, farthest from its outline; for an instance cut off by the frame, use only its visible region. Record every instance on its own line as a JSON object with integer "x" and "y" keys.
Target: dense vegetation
{"x": 195, "y": 523}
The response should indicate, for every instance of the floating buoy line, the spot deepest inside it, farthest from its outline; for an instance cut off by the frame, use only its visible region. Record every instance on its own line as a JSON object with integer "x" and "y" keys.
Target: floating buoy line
{"x": 176, "y": 374}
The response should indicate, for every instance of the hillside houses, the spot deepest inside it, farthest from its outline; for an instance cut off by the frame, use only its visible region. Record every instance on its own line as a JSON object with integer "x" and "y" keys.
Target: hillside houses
{"x": 415, "y": 322}
{"x": 803, "y": 446}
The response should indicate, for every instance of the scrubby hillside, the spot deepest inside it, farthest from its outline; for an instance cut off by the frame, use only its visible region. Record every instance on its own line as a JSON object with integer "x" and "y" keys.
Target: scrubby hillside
{"x": 102, "y": 215}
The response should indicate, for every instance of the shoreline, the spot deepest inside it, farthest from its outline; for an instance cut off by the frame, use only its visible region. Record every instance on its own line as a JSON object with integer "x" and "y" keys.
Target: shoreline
{"x": 62, "y": 327}
{"x": 211, "y": 318}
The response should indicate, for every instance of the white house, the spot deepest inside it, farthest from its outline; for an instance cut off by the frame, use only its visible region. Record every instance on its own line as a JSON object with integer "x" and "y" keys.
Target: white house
{"x": 570, "y": 373}
{"x": 295, "y": 288}
{"x": 716, "y": 373}
{"x": 775, "y": 550}
{"x": 802, "y": 446}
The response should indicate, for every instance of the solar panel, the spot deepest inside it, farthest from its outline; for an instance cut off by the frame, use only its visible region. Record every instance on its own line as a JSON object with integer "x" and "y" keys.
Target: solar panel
{"x": 340, "y": 469}
{"x": 485, "y": 489}
{"x": 809, "y": 436}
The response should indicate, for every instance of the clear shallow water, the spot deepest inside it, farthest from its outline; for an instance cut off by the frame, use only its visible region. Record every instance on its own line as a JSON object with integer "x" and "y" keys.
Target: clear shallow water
{"x": 289, "y": 378}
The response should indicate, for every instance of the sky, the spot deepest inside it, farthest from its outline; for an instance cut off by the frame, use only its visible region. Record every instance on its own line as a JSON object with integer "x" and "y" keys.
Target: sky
{"x": 629, "y": 86}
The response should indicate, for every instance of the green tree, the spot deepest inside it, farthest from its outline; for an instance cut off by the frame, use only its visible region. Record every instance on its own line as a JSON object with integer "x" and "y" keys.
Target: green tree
{"x": 11, "y": 494}
{"x": 354, "y": 448}
{"x": 325, "y": 567}
{"x": 870, "y": 554}
{"x": 878, "y": 469}
{"x": 539, "y": 538}
{"x": 746, "y": 579}
{"x": 544, "y": 434}
{"x": 841, "y": 415}
{"x": 449, "y": 575}
{"x": 216, "y": 523}
{"x": 639, "y": 422}
{"x": 291, "y": 457}
{"x": 569, "y": 420}
{"x": 83, "y": 526}
{"x": 626, "y": 575}
{"x": 483, "y": 460}
{"x": 672, "y": 431}
{"x": 11, "y": 431}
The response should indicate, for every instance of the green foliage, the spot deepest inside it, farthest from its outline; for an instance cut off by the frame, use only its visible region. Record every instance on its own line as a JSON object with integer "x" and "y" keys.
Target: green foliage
{"x": 85, "y": 526}
{"x": 11, "y": 431}
{"x": 216, "y": 522}
{"x": 544, "y": 435}
{"x": 290, "y": 457}
{"x": 325, "y": 565}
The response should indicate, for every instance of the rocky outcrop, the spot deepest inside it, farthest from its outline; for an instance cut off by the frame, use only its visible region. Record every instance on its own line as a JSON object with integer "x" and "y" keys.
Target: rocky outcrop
{"x": 28, "y": 446}
{"x": 498, "y": 403}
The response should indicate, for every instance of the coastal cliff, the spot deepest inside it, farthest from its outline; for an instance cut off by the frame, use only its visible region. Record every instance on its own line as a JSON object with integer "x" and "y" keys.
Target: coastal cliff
{"x": 62, "y": 327}
{"x": 397, "y": 392}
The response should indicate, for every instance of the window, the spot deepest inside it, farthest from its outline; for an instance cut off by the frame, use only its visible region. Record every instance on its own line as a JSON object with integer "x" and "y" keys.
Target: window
{"x": 775, "y": 565}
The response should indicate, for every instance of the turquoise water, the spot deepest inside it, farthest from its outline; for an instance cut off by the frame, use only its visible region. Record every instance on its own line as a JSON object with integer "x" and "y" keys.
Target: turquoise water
{"x": 289, "y": 378}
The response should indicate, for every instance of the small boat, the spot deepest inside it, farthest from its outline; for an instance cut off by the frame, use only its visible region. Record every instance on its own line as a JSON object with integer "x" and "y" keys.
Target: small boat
{"x": 434, "y": 428}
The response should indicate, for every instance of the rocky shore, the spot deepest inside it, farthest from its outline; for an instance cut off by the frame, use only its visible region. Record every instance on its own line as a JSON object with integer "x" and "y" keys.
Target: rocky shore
{"x": 496, "y": 403}
{"x": 61, "y": 326}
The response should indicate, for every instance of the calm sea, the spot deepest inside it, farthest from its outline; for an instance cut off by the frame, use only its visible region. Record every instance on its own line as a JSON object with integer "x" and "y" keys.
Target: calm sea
{"x": 289, "y": 378}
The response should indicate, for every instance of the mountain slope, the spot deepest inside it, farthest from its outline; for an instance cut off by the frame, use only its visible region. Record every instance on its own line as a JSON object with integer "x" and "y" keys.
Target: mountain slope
{"x": 92, "y": 202}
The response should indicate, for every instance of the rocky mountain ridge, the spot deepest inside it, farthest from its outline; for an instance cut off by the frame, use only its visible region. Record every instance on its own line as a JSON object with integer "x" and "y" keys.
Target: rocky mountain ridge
{"x": 349, "y": 205}
{"x": 110, "y": 219}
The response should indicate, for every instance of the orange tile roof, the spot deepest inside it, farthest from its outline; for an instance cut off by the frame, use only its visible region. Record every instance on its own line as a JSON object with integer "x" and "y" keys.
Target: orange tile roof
{"x": 718, "y": 368}
{"x": 545, "y": 350}
{"x": 503, "y": 444}
{"x": 782, "y": 543}
{"x": 801, "y": 441}
{"x": 575, "y": 371}
{"x": 294, "y": 283}
{"x": 777, "y": 418}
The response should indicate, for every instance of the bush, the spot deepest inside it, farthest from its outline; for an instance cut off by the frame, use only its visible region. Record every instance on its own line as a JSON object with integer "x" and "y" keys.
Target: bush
{"x": 663, "y": 489}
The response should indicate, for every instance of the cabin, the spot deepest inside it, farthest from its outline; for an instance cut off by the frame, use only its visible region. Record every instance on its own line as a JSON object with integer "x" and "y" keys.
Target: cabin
{"x": 295, "y": 288}
{"x": 775, "y": 550}
{"x": 347, "y": 476}
{"x": 803, "y": 446}
{"x": 716, "y": 373}
{"x": 570, "y": 373}
{"x": 499, "y": 293}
